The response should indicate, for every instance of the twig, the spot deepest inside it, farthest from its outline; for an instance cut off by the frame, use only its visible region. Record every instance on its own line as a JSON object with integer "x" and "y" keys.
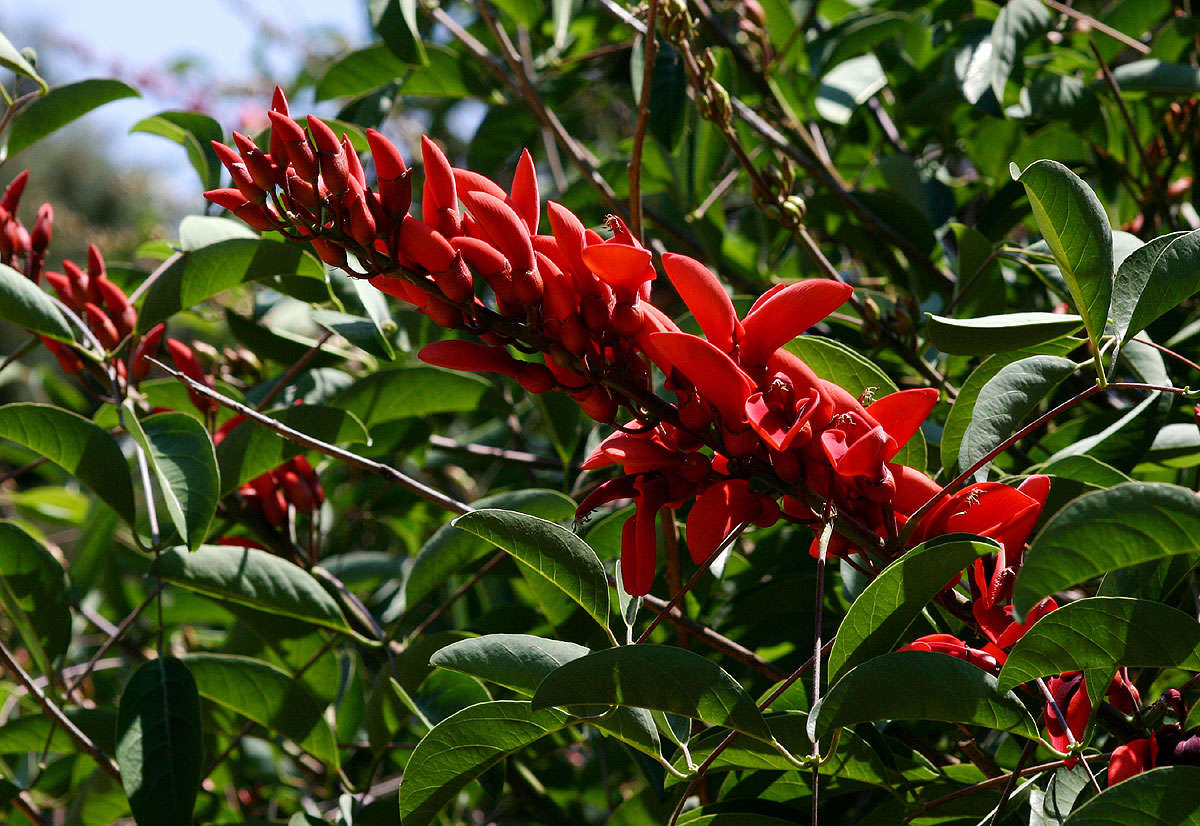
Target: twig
{"x": 386, "y": 471}
{"x": 1049, "y": 697}
{"x": 1026, "y": 753}
{"x": 649, "y": 53}
{"x": 433, "y": 616}
{"x": 519, "y": 457}
{"x": 1092, "y": 22}
{"x": 25, "y": 347}
{"x": 113, "y": 637}
{"x": 294, "y": 370}
{"x": 57, "y": 716}
{"x": 818, "y": 614}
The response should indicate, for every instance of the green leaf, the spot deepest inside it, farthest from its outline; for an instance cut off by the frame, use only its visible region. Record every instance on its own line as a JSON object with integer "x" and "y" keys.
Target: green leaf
{"x": 362, "y": 71}
{"x": 528, "y": 13}
{"x": 78, "y": 446}
{"x": 959, "y": 417}
{"x": 33, "y": 591}
{"x": 886, "y": 607}
{"x": 1156, "y": 77}
{"x": 1104, "y": 633}
{"x": 192, "y": 131}
{"x": 549, "y": 549}
{"x": 980, "y": 282}
{"x": 449, "y": 549}
{"x": 462, "y": 747}
{"x": 22, "y": 303}
{"x": 1102, "y": 531}
{"x": 516, "y": 661}
{"x": 1168, "y": 796}
{"x": 656, "y": 677}
{"x": 159, "y": 745}
{"x": 396, "y": 22}
{"x": 1176, "y": 445}
{"x": 202, "y": 273}
{"x": 60, "y": 106}
{"x": 835, "y": 362}
{"x": 851, "y": 36}
{"x": 1077, "y": 231}
{"x": 35, "y": 732}
{"x": 1155, "y": 279}
{"x": 196, "y": 231}
{"x": 250, "y": 449}
{"x": 920, "y": 685}
{"x": 363, "y": 333}
{"x": 849, "y": 85}
{"x": 998, "y": 333}
{"x": 12, "y": 59}
{"x": 388, "y": 395}
{"x": 251, "y": 577}
{"x": 269, "y": 696}
{"x": 668, "y": 90}
{"x": 1051, "y": 808}
{"x": 181, "y": 454}
{"x": 1018, "y": 23}
{"x": 1005, "y": 402}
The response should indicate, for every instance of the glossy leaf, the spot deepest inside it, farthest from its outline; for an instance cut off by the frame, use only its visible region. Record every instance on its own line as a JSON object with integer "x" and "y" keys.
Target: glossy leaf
{"x": 835, "y": 362}
{"x": 920, "y": 685}
{"x": 251, "y": 577}
{"x": 878, "y": 617}
{"x": 998, "y": 333}
{"x": 549, "y": 549}
{"x": 410, "y": 391}
{"x": 78, "y": 446}
{"x": 1104, "y": 633}
{"x": 12, "y": 59}
{"x": 33, "y": 593}
{"x": 1157, "y": 77}
{"x": 1006, "y": 401}
{"x": 449, "y": 549}
{"x": 192, "y": 131}
{"x": 269, "y": 696}
{"x": 159, "y": 745}
{"x": 202, "y": 273}
{"x": 22, "y": 303}
{"x": 60, "y": 106}
{"x": 396, "y": 22}
{"x": 250, "y": 449}
{"x": 1106, "y": 530}
{"x": 656, "y": 677}
{"x": 181, "y": 455}
{"x": 463, "y": 746}
{"x": 516, "y": 661}
{"x": 1168, "y": 796}
{"x": 1077, "y": 231}
{"x": 1154, "y": 279}
{"x": 959, "y": 417}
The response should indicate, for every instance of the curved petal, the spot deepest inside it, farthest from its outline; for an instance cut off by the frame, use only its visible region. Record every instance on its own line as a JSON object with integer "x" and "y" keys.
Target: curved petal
{"x": 719, "y": 380}
{"x": 623, "y": 487}
{"x": 705, "y": 297}
{"x": 470, "y": 355}
{"x": 620, "y": 265}
{"x": 862, "y": 457}
{"x": 504, "y": 226}
{"x": 524, "y": 197}
{"x": 466, "y": 180}
{"x": 787, "y": 314}
{"x": 901, "y": 414}
{"x": 716, "y": 512}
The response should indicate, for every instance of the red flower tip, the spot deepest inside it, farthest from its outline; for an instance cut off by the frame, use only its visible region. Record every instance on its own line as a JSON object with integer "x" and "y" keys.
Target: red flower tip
{"x": 467, "y": 181}
{"x": 705, "y": 297}
{"x": 389, "y": 163}
{"x": 718, "y": 379}
{"x": 13, "y": 192}
{"x": 226, "y": 155}
{"x": 621, "y": 265}
{"x": 901, "y": 414}
{"x": 524, "y": 197}
{"x": 469, "y": 355}
{"x": 504, "y": 226}
{"x": 788, "y": 313}
{"x": 279, "y": 102}
{"x": 323, "y": 136}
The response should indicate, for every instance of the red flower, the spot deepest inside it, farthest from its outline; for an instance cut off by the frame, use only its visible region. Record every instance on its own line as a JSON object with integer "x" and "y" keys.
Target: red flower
{"x": 1132, "y": 758}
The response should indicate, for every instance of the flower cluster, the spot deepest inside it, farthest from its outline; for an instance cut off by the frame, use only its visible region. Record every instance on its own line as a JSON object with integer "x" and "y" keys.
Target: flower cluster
{"x": 1169, "y": 745}
{"x": 21, "y": 249}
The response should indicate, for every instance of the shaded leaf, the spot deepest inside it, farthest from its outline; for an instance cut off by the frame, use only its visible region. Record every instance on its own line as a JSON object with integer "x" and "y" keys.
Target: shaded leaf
{"x": 1018, "y": 22}
{"x": 1157, "y": 77}
{"x": 192, "y": 131}
{"x": 410, "y": 391}
{"x": 60, "y": 106}
{"x": 1168, "y": 796}
{"x": 1154, "y": 279}
{"x": 22, "y": 303}
{"x": 998, "y": 333}
{"x": 33, "y": 592}
{"x": 516, "y": 661}
{"x": 396, "y": 22}
{"x": 159, "y": 745}
{"x": 848, "y": 86}
{"x": 181, "y": 455}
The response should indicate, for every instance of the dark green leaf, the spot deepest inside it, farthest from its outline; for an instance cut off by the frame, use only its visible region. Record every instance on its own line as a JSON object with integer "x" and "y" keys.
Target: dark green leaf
{"x": 1168, "y": 796}
{"x": 22, "y": 303}
{"x": 361, "y": 72}
{"x": 998, "y": 333}
{"x": 668, "y": 90}
{"x": 250, "y": 449}
{"x": 835, "y": 362}
{"x": 449, "y": 549}
{"x": 1077, "y": 231}
{"x": 396, "y": 22}
{"x": 159, "y": 745}
{"x": 920, "y": 685}
{"x": 60, "y": 106}
{"x": 1157, "y": 78}
{"x": 79, "y": 447}
{"x": 1019, "y": 22}
{"x": 549, "y": 549}
{"x": 1104, "y": 633}
{"x": 516, "y": 661}
{"x": 887, "y": 606}
{"x": 1102, "y": 531}
{"x": 267, "y": 695}
{"x": 363, "y": 333}
{"x": 657, "y": 677}
{"x": 462, "y": 747}
{"x": 192, "y": 131}
{"x": 34, "y": 731}
{"x": 980, "y": 283}
{"x": 202, "y": 273}
{"x": 1005, "y": 402}
{"x": 33, "y": 591}
{"x": 852, "y": 36}
{"x": 1154, "y": 279}
{"x": 410, "y": 391}
{"x": 248, "y": 576}
{"x": 181, "y": 454}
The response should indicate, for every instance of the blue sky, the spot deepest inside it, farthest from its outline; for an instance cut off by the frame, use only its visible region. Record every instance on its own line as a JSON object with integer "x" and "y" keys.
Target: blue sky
{"x": 137, "y": 39}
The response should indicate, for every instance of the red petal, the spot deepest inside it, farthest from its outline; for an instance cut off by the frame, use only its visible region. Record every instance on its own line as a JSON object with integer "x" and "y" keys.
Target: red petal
{"x": 467, "y": 181}
{"x": 524, "y": 198}
{"x": 469, "y": 355}
{"x": 901, "y": 414}
{"x": 619, "y": 264}
{"x": 721, "y": 382}
{"x": 1131, "y": 759}
{"x": 787, "y": 314}
{"x": 389, "y": 163}
{"x": 439, "y": 192}
{"x": 504, "y": 226}
{"x": 716, "y": 512}
{"x": 705, "y": 297}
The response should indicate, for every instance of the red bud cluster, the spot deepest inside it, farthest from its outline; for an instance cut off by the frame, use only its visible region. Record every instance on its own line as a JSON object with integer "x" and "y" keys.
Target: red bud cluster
{"x": 21, "y": 249}
{"x": 294, "y": 483}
